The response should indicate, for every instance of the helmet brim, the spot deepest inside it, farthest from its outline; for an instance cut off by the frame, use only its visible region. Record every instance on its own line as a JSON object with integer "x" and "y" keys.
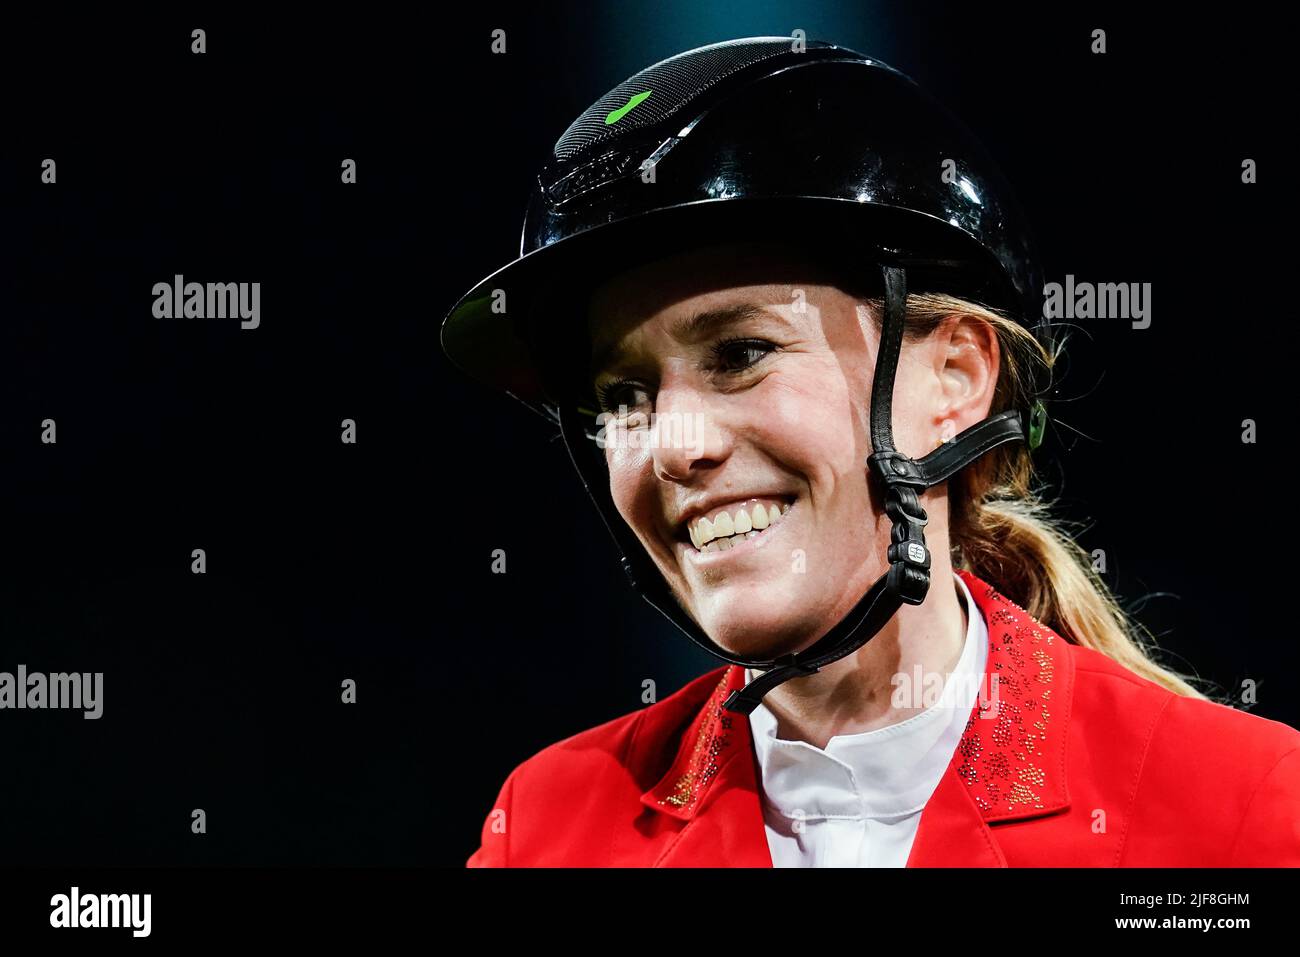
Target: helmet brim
{"x": 499, "y": 331}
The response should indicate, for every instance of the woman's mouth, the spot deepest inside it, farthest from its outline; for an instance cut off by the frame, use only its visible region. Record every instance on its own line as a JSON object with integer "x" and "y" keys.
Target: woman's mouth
{"x": 735, "y": 524}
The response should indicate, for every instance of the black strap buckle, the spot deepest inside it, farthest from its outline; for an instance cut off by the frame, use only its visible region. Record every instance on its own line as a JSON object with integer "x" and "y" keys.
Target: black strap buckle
{"x": 909, "y": 557}
{"x": 894, "y": 469}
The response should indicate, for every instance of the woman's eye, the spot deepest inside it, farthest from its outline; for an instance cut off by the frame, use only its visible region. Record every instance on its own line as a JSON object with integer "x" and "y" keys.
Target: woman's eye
{"x": 739, "y": 354}
{"x": 622, "y": 398}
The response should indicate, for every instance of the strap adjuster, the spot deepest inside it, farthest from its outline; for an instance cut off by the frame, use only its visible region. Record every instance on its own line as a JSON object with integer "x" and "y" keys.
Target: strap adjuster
{"x": 908, "y": 555}
{"x": 896, "y": 470}
{"x": 904, "y": 508}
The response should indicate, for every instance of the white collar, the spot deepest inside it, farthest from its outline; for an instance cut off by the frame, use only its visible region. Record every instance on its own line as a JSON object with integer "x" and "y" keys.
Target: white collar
{"x": 885, "y": 773}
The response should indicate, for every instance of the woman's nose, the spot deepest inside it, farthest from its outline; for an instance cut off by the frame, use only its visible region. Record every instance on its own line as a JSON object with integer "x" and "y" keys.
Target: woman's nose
{"x": 687, "y": 438}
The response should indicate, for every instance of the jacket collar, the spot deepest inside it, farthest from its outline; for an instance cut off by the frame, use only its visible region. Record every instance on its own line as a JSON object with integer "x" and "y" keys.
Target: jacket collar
{"x": 1009, "y": 764}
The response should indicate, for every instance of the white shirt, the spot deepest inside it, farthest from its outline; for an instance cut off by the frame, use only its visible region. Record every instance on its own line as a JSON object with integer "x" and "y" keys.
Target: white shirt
{"x": 858, "y": 802}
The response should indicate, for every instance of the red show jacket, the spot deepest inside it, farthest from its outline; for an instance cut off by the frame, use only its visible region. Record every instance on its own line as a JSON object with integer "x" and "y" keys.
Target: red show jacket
{"x": 1081, "y": 763}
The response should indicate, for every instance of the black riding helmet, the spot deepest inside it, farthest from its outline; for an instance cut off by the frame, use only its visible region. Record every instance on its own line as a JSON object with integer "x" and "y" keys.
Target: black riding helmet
{"x": 818, "y": 144}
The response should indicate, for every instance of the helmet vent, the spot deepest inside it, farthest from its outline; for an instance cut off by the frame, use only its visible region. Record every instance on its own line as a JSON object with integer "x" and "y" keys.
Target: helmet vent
{"x": 672, "y": 84}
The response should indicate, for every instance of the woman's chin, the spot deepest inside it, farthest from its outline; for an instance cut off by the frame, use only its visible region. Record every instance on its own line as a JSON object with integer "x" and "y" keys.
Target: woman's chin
{"x": 763, "y": 630}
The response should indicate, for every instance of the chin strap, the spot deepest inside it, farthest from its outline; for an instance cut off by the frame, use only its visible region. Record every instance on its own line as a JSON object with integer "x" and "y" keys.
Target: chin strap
{"x": 901, "y": 478}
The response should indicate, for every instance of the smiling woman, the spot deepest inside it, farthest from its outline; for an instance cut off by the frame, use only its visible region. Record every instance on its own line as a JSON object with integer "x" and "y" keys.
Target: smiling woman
{"x": 777, "y": 375}
{"x": 857, "y": 345}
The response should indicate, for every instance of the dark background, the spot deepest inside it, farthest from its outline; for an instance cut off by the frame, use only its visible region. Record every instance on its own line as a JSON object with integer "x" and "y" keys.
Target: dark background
{"x": 373, "y": 561}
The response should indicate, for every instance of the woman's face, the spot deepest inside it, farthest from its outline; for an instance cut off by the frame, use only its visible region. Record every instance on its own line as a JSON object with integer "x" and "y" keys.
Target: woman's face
{"x": 741, "y": 466}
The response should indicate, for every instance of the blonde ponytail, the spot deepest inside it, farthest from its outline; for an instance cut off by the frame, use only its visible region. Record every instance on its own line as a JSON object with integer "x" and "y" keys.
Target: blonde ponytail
{"x": 1003, "y": 532}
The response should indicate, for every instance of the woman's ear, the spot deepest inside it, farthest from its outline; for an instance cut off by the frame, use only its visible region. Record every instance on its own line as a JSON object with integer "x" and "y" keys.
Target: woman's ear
{"x": 966, "y": 360}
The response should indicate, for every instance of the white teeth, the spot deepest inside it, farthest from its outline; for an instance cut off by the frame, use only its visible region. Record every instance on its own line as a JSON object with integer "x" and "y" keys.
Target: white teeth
{"x": 724, "y": 532}
{"x": 704, "y": 531}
